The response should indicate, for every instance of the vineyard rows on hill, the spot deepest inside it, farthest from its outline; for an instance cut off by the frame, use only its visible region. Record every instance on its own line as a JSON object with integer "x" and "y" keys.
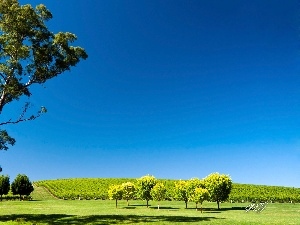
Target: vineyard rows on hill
{"x": 97, "y": 188}
{"x": 251, "y": 193}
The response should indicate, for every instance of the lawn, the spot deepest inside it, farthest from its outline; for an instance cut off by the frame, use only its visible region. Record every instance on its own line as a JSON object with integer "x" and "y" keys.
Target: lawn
{"x": 45, "y": 209}
{"x": 171, "y": 212}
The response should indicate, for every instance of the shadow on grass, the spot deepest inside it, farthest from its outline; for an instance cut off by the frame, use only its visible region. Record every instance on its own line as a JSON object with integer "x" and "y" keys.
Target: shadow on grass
{"x": 215, "y": 210}
{"x": 164, "y": 207}
{"x": 129, "y": 207}
{"x": 139, "y": 205}
{"x": 98, "y": 219}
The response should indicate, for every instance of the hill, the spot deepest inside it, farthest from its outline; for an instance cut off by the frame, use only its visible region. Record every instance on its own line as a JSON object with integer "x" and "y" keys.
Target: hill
{"x": 96, "y": 188}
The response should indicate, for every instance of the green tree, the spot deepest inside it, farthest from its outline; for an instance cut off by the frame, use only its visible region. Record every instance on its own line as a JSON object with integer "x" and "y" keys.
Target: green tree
{"x": 115, "y": 192}
{"x": 144, "y": 187}
{"x": 21, "y": 186}
{"x": 219, "y": 187}
{"x": 192, "y": 184}
{"x": 128, "y": 191}
{"x": 158, "y": 193}
{"x": 29, "y": 54}
{"x": 180, "y": 191}
{"x": 199, "y": 196}
{"x": 4, "y": 185}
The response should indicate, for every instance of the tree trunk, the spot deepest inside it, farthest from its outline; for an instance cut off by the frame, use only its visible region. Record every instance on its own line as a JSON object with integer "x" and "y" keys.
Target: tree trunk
{"x": 218, "y": 205}
{"x": 116, "y": 203}
{"x": 2, "y": 100}
{"x": 186, "y": 204}
{"x": 20, "y": 197}
{"x": 201, "y": 207}
{"x": 158, "y": 206}
{"x": 196, "y": 206}
{"x": 147, "y": 203}
{"x": 1, "y": 198}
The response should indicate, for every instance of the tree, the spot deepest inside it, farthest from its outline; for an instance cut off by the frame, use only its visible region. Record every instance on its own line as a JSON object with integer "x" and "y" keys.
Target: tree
{"x": 21, "y": 186}
{"x": 218, "y": 186}
{"x": 180, "y": 191}
{"x": 4, "y": 185}
{"x": 115, "y": 192}
{"x": 128, "y": 191}
{"x": 192, "y": 184}
{"x": 144, "y": 187}
{"x": 158, "y": 193}
{"x": 29, "y": 54}
{"x": 199, "y": 196}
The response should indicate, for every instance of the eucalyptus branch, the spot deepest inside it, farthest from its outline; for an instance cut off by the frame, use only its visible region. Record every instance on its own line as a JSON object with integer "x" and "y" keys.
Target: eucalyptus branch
{"x": 2, "y": 75}
{"x": 22, "y": 117}
{"x": 48, "y": 55}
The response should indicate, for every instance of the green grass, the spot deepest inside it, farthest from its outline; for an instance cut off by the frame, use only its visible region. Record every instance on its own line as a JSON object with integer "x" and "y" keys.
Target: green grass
{"x": 45, "y": 209}
{"x": 171, "y": 212}
{"x": 41, "y": 193}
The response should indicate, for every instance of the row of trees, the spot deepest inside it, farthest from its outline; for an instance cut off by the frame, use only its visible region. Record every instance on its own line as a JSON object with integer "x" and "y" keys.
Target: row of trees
{"x": 20, "y": 186}
{"x": 215, "y": 187}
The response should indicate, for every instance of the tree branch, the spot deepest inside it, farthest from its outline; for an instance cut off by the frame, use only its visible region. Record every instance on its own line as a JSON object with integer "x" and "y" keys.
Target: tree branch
{"x": 22, "y": 116}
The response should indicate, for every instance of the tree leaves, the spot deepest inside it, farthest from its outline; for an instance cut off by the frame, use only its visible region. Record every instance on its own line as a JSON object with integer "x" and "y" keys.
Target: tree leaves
{"x": 5, "y": 140}
{"x": 29, "y": 52}
{"x": 219, "y": 186}
{"x": 21, "y": 185}
{"x": 144, "y": 187}
{"x": 4, "y": 185}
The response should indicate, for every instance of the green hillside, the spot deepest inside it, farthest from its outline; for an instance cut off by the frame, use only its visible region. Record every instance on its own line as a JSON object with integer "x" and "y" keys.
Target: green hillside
{"x": 250, "y": 193}
{"x": 96, "y": 188}
{"x": 41, "y": 193}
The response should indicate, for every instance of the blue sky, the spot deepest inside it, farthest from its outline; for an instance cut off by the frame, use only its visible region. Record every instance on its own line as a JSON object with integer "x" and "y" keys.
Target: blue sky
{"x": 177, "y": 89}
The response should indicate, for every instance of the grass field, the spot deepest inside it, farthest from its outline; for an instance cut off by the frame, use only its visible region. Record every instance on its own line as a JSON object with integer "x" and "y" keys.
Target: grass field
{"x": 47, "y": 210}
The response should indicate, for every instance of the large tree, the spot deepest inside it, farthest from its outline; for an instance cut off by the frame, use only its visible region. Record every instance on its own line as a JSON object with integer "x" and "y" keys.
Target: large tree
{"x": 115, "y": 192}
{"x": 181, "y": 191}
{"x": 21, "y": 186}
{"x": 158, "y": 193}
{"x": 128, "y": 191}
{"x": 192, "y": 184}
{"x": 29, "y": 54}
{"x": 4, "y": 185}
{"x": 219, "y": 187}
{"x": 199, "y": 196}
{"x": 144, "y": 187}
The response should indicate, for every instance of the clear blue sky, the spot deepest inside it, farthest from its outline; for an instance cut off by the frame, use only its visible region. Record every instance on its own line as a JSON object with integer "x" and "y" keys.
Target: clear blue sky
{"x": 177, "y": 89}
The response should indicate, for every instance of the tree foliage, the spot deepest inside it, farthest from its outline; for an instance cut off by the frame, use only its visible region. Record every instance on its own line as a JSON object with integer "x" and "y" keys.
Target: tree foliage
{"x": 29, "y": 54}
{"x": 5, "y": 140}
{"x": 21, "y": 186}
{"x": 180, "y": 192}
{"x": 199, "y": 196}
{"x": 115, "y": 192}
{"x": 128, "y": 191}
{"x": 4, "y": 185}
{"x": 158, "y": 192}
{"x": 144, "y": 187}
{"x": 218, "y": 186}
{"x": 192, "y": 184}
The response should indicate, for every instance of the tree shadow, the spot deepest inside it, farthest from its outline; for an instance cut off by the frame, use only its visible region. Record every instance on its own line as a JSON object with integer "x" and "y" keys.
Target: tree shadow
{"x": 215, "y": 210}
{"x": 99, "y": 219}
{"x": 139, "y": 205}
{"x": 238, "y": 208}
{"x": 129, "y": 207}
{"x": 164, "y": 207}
